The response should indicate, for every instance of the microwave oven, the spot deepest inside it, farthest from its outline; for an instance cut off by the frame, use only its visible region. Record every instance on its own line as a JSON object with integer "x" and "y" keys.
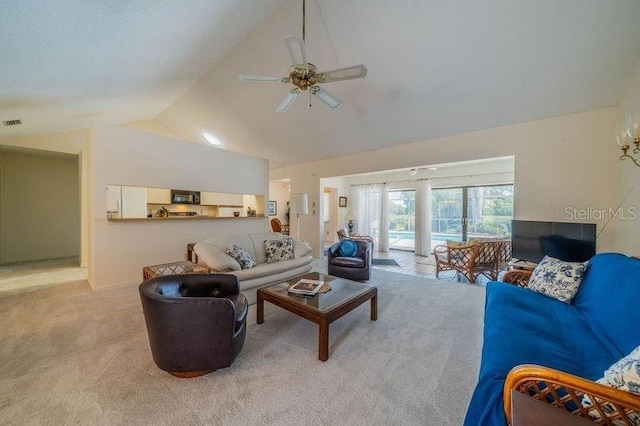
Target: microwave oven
{"x": 185, "y": 197}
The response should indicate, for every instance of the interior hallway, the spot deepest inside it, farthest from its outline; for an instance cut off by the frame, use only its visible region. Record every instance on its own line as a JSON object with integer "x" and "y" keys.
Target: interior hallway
{"x": 36, "y": 274}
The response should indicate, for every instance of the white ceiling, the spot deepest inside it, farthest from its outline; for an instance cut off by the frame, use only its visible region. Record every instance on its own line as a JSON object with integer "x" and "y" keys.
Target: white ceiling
{"x": 435, "y": 67}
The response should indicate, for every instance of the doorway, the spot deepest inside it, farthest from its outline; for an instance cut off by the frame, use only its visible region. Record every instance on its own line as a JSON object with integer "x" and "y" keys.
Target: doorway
{"x": 402, "y": 219}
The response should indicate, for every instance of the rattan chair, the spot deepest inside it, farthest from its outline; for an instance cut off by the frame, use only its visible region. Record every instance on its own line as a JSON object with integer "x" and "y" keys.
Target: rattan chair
{"x": 277, "y": 226}
{"x": 605, "y": 405}
{"x": 343, "y": 233}
{"x": 474, "y": 259}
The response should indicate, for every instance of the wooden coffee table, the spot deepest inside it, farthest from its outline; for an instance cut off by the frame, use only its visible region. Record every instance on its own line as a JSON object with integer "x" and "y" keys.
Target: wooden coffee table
{"x": 323, "y": 308}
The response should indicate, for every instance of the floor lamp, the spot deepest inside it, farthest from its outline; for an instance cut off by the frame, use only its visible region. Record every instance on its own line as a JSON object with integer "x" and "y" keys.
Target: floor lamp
{"x": 299, "y": 204}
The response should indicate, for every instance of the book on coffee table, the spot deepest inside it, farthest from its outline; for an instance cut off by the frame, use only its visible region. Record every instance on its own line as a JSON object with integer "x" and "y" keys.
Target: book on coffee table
{"x": 306, "y": 287}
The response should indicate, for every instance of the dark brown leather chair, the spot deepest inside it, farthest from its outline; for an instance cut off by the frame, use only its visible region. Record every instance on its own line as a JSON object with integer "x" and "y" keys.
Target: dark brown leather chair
{"x": 357, "y": 268}
{"x": 196, "y": 322}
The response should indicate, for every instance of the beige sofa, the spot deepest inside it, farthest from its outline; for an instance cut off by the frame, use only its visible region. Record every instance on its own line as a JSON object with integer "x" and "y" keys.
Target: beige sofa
{"x": 210, "y": 253}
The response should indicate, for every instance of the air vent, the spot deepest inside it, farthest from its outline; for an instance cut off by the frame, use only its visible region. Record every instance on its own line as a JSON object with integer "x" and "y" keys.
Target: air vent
{"x": 12, "y": 122}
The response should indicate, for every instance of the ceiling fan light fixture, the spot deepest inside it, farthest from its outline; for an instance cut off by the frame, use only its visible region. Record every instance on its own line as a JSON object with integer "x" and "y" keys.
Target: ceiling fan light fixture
{"x": 304, "y": 75}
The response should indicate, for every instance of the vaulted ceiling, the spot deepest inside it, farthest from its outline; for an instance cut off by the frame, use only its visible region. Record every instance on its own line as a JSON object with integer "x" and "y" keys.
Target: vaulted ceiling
{"x": 435, "y": 67}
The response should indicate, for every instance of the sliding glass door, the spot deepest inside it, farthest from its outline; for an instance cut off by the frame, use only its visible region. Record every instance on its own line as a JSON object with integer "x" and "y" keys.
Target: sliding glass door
{"x": 471, "y": 212}
{"x": 402, "y": 219}
{"x": 448, "y": 207}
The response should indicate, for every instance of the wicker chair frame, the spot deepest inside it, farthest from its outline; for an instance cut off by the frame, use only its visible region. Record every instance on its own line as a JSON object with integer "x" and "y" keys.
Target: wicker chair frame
{"x": 472, "y": 260}
{"x": 519, "y": 277}
{"x": 605, "y": 405}
{"x": 342, "y": 235}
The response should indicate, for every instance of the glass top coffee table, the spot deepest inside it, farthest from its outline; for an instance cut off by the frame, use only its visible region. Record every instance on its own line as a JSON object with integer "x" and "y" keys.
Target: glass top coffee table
{"x": 323, "y": 308}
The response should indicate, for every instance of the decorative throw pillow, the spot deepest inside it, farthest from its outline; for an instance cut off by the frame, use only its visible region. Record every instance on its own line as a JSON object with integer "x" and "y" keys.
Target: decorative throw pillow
{"x": 624, "y": 374}
{"x": 348, "y": 248}
{"x": 278, "y": 250}
{"x": 558, "y": 279}
{"x": 244, "y": 259}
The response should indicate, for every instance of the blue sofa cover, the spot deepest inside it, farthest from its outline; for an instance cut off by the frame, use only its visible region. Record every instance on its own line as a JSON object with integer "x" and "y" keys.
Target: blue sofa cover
{"x": 584, "y": 338}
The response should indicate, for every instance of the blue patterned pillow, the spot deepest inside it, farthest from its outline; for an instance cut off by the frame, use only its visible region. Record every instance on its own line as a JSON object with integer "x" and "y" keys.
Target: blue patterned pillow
{"x": 624, "y": 375}
{"x": 558, "y": 279}
{"x": 279, "y": 250}
{"x": 244, "y": 259}
{"x": 348, "y": 248}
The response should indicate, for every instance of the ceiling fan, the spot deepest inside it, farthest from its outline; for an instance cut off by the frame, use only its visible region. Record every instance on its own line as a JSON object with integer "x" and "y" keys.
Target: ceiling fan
{"x": 305, "y": 76}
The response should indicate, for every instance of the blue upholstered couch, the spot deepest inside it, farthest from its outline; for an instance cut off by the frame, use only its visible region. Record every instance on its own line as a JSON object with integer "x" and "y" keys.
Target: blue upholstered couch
{"x": 583, "y": 338}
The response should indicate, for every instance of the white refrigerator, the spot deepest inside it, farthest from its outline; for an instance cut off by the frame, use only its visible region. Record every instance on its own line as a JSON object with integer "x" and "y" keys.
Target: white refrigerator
{"x": 127, "y": 201}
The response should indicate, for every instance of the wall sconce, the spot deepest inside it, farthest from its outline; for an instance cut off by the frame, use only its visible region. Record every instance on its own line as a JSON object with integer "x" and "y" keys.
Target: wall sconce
{"x": 628, "y": 132}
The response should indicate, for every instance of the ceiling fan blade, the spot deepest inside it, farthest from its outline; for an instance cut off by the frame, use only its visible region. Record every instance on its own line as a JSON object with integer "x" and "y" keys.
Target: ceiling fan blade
{"x": 349, "y": 73}
{"x": 288, "y": 100}
{"x": 262, "y": 78}
{"x": 295, "y": 46}
{"x": 327, "y": 98}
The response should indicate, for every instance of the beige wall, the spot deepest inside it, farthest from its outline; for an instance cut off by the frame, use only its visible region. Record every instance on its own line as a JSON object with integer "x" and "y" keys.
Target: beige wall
{"x": 628, "y": 235}
{"x": 562, "y": 162}
{"x": 119, "y": 250}
{"x": 40, "y": 207}
{"x": 279, "y": 192}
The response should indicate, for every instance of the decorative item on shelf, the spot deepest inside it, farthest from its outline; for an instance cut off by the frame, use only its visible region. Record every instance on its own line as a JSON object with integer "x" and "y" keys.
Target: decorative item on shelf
{"x": 342, "y": 201}
{"x": 236, "y": 214}
{"x": 628, "y": 132}
{"x": 162, "y": 212}
{"x": 251, "y": 212}
{"x": 299, "y": 205}
{"x": 272, "y": 208}
{"x": 350, "y": 217}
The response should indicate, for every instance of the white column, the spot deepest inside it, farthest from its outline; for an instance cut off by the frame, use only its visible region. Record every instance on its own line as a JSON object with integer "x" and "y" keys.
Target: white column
{"x": 384, "y": 219}
{"x": 423, "y": 218}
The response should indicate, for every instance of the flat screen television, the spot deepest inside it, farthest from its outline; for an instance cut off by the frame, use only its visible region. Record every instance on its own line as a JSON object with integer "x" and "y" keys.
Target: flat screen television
{"x": 571, "y": 242}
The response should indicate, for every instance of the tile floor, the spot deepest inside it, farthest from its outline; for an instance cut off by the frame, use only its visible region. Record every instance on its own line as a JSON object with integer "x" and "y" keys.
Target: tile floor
{"x": 421, "y": 266}
{"x": 411, "y": 264}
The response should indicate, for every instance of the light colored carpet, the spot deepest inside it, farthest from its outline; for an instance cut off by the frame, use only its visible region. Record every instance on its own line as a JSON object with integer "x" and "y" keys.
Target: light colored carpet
{"x": 69, "y": 356}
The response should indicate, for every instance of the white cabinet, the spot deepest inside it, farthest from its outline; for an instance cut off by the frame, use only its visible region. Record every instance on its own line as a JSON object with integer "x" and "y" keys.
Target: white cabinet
{"x": 234, "y": 200}
{"x": 220, "y": 199}
{"x": 158, "y": 196}
{"x": 209, "y": 198}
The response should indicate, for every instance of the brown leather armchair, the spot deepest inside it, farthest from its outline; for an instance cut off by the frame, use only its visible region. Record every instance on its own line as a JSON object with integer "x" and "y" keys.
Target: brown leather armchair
{"x": 357, "y": 268}
{"x": 196, "y": 322}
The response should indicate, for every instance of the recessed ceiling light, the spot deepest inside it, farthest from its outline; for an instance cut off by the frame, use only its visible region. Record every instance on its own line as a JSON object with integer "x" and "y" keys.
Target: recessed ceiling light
{"x": 212, "y": 139}
{"x": 433, "y": 169}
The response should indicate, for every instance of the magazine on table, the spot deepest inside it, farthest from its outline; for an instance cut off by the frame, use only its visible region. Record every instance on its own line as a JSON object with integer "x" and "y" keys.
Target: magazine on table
{"x": 306, "y": 287}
